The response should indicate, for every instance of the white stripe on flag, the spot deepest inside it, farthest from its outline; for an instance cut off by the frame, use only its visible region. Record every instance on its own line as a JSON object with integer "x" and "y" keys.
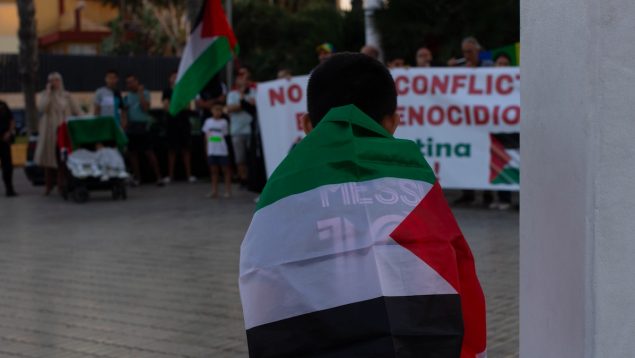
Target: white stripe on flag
{"x": 196, "y": 45}
{"x": 313, "y": 260}
{"x": 514, "y": 154}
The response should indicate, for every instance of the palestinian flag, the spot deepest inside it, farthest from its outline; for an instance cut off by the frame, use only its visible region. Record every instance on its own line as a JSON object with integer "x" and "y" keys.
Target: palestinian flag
{"x": 354, "y": 252}
{"x": 210, "y": 46}
{"x": 504, "y": 158}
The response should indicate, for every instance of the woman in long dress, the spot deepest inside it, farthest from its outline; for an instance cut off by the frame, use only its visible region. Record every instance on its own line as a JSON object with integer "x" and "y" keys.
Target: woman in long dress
{"x": 56, "y": 105}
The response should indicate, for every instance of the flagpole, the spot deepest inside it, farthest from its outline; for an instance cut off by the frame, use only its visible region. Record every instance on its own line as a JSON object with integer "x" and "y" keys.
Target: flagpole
{"x": 230, "y": 64}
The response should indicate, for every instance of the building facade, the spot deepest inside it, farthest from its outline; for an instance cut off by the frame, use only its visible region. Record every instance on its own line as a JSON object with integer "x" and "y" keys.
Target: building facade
{"x": 63, "y": 26}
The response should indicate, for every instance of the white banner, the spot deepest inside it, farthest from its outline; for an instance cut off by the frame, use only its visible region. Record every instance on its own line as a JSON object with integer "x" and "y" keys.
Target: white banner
{"x": 465, "y": 121}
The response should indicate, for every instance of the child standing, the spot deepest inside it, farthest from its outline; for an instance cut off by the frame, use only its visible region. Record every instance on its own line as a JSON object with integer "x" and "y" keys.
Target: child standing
{"x": 215, "y": 129}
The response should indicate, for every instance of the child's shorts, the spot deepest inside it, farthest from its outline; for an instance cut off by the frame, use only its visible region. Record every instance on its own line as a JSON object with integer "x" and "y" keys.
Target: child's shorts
{"x": 220, "y": 160}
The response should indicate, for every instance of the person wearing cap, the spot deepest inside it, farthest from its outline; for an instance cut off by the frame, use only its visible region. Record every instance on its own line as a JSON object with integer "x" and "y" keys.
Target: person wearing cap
{"x": 324, "y": 51}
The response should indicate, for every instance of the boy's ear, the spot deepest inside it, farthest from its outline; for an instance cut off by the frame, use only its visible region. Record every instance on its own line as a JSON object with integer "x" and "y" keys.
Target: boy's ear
{"x": 391, "y": 122}
{"x": 307, "y": 125}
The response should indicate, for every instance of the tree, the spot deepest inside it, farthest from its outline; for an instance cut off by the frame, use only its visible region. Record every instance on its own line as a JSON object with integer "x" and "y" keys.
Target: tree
{"x": 406, "y": 25}
{"x": 149, "y": 27}
{"x": 273, "y": 37}
{"x": 27, "y": 35}
{"x": 193, "y": 8}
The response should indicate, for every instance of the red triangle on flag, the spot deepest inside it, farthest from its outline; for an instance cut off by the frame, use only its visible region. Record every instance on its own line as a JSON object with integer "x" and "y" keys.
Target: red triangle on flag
{"x": 215, "y": 22}
{"x": 432, "y": 234}
{"x": 499, "y": 158}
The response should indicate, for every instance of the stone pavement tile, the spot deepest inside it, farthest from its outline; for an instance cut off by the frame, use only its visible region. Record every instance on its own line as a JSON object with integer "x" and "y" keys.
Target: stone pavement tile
{"x": 157, "y": 276}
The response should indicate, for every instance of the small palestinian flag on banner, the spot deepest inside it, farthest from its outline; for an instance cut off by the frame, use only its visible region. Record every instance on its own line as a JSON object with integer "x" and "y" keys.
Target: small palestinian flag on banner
{"x": 210, "y": 46}
{"x": 504, "y": 158}
{"x": 354, "y": 252}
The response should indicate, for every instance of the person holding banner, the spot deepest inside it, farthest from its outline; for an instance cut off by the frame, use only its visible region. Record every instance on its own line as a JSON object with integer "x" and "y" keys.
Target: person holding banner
{"x": 471, "y": 48}
{"x": 324, "y": 51}
{"x": 370, "y": 50}
{"x": 504, "y": 201}
{"x": 424, "y": 57}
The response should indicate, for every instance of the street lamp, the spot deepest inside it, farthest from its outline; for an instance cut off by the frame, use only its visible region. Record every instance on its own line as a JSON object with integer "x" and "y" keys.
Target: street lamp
{"x": 372, "y": 35}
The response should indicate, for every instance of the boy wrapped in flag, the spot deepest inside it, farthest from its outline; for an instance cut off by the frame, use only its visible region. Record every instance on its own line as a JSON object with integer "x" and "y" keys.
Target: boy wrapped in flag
{"x": 353, "y": 250}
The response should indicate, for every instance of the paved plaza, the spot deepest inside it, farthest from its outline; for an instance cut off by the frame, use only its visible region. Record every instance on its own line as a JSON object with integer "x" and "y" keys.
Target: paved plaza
{"x": 156, "y": 276}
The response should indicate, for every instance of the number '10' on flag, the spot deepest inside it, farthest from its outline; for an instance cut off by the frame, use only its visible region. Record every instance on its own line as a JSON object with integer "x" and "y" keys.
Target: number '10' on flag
{"x": 210, "y": 46}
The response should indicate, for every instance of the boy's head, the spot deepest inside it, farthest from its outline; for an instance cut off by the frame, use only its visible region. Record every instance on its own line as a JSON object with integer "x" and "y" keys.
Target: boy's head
{"x": 217, "y": 111}
{"x": 352, "y": 78}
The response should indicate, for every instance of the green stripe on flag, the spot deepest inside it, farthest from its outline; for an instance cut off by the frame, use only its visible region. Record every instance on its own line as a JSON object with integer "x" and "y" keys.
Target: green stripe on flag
{"x": 509, "y": 175}
{"x": 200, "y": 72}
{"x": 346, "y": 146}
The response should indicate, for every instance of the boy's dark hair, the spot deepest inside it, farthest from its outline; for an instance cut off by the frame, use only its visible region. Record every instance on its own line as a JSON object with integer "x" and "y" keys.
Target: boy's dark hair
{"x": 351, "y": 78}
{"x": 112, "y": 71}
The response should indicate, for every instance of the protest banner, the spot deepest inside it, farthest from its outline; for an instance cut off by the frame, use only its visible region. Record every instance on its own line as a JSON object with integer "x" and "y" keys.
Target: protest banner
{"x": 465, "y": 121}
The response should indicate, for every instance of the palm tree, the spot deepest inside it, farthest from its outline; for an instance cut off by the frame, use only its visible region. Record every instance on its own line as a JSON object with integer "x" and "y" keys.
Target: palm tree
{"x": 28, "y": 59}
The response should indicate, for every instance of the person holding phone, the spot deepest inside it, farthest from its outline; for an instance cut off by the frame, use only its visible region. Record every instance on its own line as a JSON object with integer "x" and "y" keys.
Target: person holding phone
{"x": 56, "y": 105}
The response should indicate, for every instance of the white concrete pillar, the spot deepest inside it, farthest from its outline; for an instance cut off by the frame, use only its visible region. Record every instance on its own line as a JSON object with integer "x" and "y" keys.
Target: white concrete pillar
{"x": 577, "y": 221}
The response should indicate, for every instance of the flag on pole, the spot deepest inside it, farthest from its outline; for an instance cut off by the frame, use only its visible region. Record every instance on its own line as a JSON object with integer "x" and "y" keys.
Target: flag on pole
{"x": 210, "y": 46}
{"x": 354, "y": 252}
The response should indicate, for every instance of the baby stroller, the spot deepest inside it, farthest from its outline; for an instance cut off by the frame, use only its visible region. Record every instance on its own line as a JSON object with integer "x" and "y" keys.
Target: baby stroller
{"x": 91, "y": 158}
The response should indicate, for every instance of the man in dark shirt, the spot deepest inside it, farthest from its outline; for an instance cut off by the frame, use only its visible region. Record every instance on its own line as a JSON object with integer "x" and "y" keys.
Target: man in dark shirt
{"x": 179, "y": 131}
{"x": 7, "y": 132}
{"x": 215, "y": 92}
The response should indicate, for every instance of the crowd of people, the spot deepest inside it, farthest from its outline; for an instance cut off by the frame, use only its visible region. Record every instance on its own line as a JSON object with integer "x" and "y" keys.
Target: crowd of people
{"x": 471, "y": 50}
{"x": 228, "y": 118}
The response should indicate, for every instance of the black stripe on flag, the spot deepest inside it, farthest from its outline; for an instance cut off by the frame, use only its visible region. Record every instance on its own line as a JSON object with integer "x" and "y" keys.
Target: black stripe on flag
{"x": 199, "y": 16}
{"x": 427, "y": 326}
{"x": 508, "y": 140}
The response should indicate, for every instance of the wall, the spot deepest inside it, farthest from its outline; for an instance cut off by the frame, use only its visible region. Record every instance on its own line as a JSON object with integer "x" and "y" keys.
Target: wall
{"x": 95, "y": 16}
{"x": 8, "y": 28}
{"x": 47, "y": 13}
{"x": 578, "y": 189}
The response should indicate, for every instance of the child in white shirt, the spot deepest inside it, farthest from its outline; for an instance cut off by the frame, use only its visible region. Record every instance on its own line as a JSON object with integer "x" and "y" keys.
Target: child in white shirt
{"x": 215, "y": 129}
